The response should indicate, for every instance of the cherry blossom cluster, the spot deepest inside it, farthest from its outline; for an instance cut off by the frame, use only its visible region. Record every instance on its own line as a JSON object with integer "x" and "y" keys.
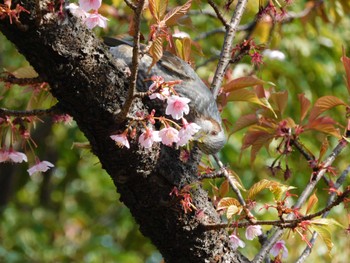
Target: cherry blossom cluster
{"x": 87, "y": 10}
{"x": 171, "y": 131}
{"x": 17, "y": 131}
{"x": 278, "y": 250}
{"x": 9, "y": 155}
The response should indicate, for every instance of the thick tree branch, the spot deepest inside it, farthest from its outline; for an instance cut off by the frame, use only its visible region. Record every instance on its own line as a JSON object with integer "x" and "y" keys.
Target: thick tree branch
{"x": 91, "y": 86}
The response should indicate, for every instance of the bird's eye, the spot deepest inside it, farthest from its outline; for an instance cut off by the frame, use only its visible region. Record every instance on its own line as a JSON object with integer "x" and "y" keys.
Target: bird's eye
{"x": 213, "y": 133}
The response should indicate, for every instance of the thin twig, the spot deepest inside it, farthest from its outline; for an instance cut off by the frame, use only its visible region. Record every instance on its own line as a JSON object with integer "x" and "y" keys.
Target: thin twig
{"x": 303, "y": 150}
{"x": 215, "y": 174}
{"x": 230, "y": 180}
{"x": 130, "y": 4}
{"x": 218, "y": 13}
{"x": 225, "y": 55}
{"x": 315, "y": 178}
{"x": 288, "y": 223}
{"x": 21, "y": 81}
{"x": 135, "y": 62}
{"x": 331, "y": 198}
{"x": 27, "y": 113}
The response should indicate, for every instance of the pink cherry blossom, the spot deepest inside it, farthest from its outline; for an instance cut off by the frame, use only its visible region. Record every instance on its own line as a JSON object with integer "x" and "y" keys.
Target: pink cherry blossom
{"x": 157, "y": 83}
{"x": 169, "y": 135}
{"x": 177, "y": 107}
{"x": 187, "y": 131}
{"x": 77, "y": 11}
{"x": 87, "y": 5}
{"x": 4, "y": 156}
{"x": 121, "y": 140}
{"x": 278, "y": 247}
{"x": 163, "y": 94}
{"x": 13, "y": 156}
{"x": 42, "y": 166}
{"x": 149, "y": 136}
{"x": 235, "y": 242}
{"x": 252, "y": 232}
{"x": 95, "y": 19}
{"x": 17, "y": 157}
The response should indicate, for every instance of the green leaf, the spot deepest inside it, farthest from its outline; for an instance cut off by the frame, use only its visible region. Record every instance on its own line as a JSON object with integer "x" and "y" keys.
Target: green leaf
{"x": 325, "y": 234}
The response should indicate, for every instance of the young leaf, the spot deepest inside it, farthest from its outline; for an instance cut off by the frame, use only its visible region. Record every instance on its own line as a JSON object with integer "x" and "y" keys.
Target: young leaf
{"x": 158, "y": 8}
{"x": 325, "y": 125}
{"x": 156, "y": 50}
{"x": 224, "y": 188}
{"x": 241, "y": 83}
{"x": 323, "y": 104}
{"x": 346, "y": 63}
{"x": 236, "y": 180}
{"x": 324, "y": 148}
{"x": 244, "y": 122}
{"x": 225, "y": 202}
{"x": 304, "y": 106}
{"x": 233, "y": 210}
{"x": 280, "y": 99}
{"x": 174, "y": 14}
{"x": 275, "y": 187}
{"x": 244, "y": 95}
{"x": 325, "y": 234}
{"x": 311, "y": 202}
{"x": 183, "y": 48}
{"x": 25, "y": 72}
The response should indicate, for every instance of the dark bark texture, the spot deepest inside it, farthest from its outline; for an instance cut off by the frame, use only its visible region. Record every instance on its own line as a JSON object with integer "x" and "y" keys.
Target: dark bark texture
{"x": 91, "y": 86}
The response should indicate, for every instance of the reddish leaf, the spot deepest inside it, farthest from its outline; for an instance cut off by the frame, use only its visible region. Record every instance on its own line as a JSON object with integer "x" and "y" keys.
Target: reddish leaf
{"x": 304, "y": 105}
{"x": 244, "y": 95}
{"x": 158, "y": 8}
{"x": 241, "y": 83}
{"x": 324, "y": 148}
{"x": 346, "y": 62}
{"x": 311, "y": 202}
{"x": 323, "y": 104}
{"x": 325, "y": 125}
{"x": 156, "y": 50}
{"x": 174, "y": 14}
{"x": 224, "y": 188}
{"x": 257, "y": 139}
{"x": 280, "y": 99}
{"x": 245, "y": 121}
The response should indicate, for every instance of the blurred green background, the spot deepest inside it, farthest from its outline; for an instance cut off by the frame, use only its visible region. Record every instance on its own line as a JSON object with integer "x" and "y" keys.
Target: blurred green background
{"x": 72, "y": 213}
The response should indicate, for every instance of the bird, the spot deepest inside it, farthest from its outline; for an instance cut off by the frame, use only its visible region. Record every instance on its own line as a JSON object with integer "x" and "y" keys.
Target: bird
{"x": 203, "y": 108}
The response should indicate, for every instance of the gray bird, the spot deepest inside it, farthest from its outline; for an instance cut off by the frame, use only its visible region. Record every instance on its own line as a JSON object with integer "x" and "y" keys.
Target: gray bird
{"x": 203, "y": 108}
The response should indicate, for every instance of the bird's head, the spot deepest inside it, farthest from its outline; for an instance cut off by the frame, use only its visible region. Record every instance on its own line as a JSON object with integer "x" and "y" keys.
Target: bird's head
{"x": 211, "y": 137}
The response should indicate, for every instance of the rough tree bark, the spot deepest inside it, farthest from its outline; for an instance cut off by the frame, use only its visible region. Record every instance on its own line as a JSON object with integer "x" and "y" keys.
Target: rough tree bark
{"x": 91, "y": 86}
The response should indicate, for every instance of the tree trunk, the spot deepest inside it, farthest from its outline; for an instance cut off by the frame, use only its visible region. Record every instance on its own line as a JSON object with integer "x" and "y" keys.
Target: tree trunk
{"x": 91, "y": 86}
